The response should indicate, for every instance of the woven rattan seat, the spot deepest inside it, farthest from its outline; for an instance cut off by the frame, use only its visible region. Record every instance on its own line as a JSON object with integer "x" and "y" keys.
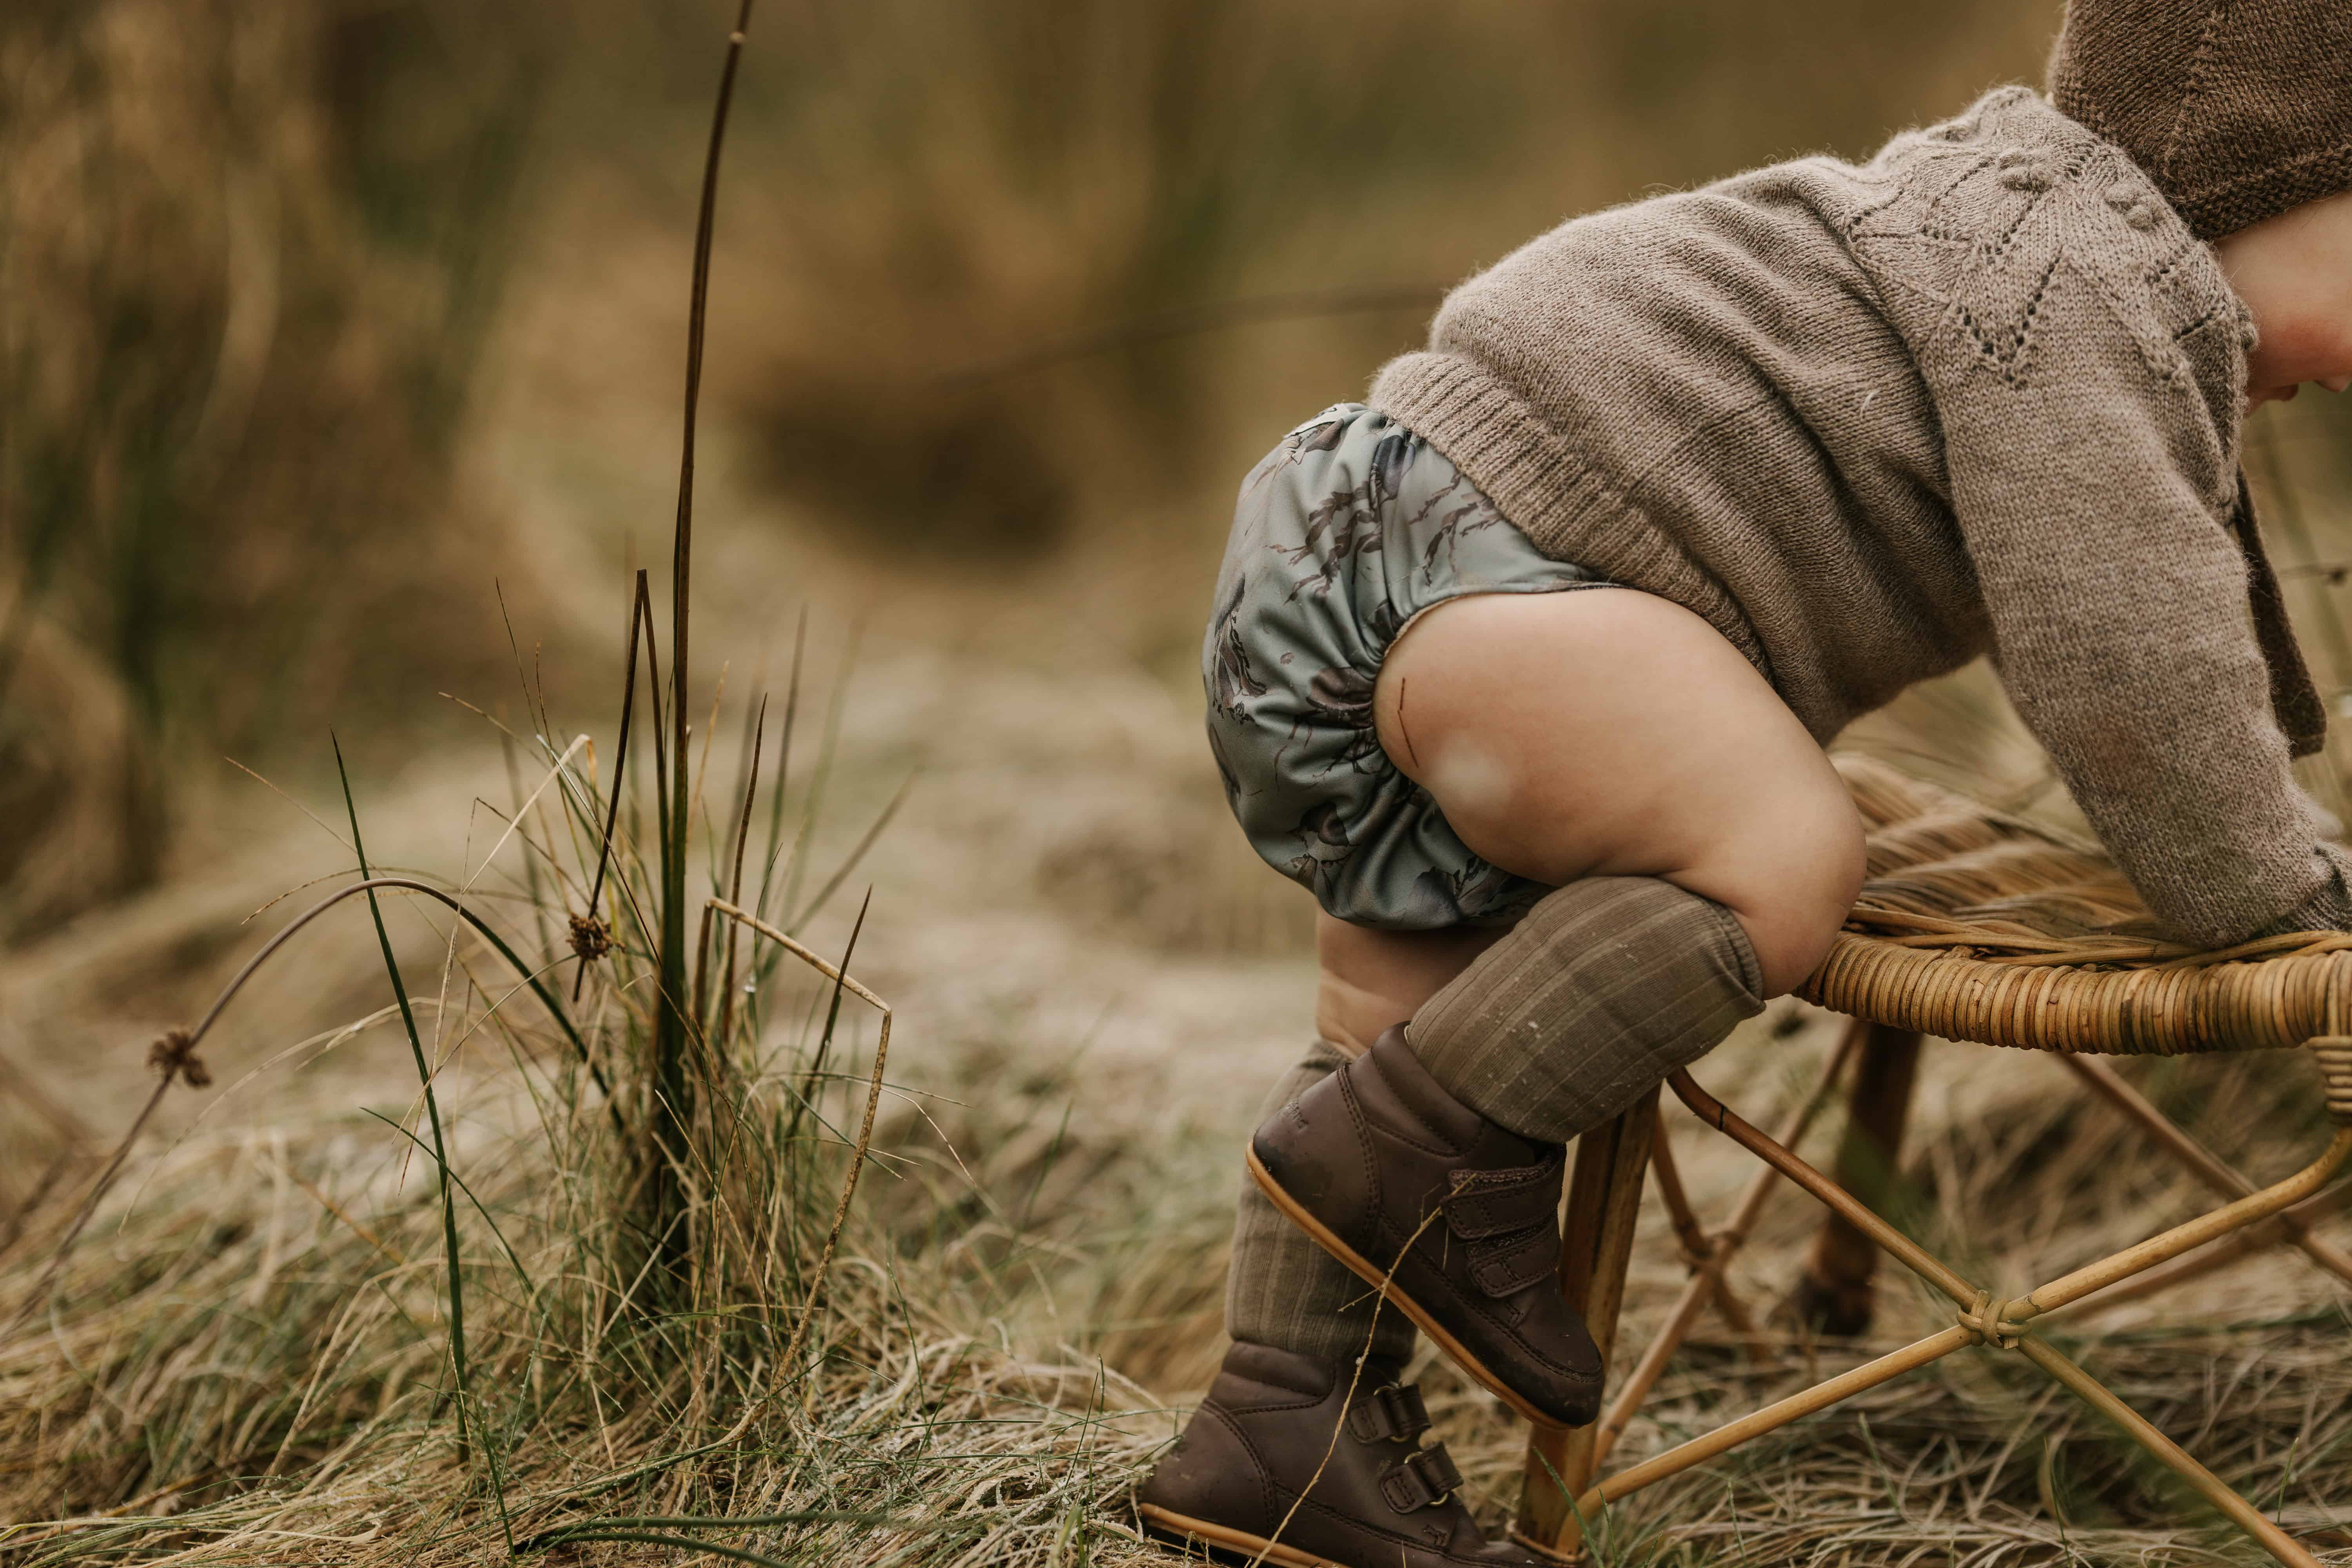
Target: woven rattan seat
{"x": 1973, "y": 925}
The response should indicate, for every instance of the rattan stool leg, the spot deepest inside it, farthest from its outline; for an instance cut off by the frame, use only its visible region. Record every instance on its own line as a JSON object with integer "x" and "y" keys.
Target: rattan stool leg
{"x": 1833, "y": 1295}
{"x": 1604, "y": 1197}
{"x": 2007, "y": 1324}
{"x": 2208, "y": 1485}
{"x": 2108, "y": 1085}
{"x": 1711, "y": 1256}
{"x": 2222, "y": 1253}
{"x": 1706, "y": 1255}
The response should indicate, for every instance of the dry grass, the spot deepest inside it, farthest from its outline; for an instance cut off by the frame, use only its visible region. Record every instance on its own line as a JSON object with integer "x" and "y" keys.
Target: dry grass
{"x": 271, "y": 1374}
{"x": 562, "y": 1309}
{"x": 1982, "y": 1460}
{"x": 254, "y": 1364}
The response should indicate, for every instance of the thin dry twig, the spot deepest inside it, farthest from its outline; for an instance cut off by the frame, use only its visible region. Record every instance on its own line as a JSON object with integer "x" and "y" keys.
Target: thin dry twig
{"x": 735, "y": 882}
{"x": 592, "y": 936}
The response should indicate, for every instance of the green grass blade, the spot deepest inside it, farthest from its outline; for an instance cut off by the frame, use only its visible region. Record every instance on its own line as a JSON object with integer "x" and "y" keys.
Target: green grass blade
{"x": 433, "y": 1111}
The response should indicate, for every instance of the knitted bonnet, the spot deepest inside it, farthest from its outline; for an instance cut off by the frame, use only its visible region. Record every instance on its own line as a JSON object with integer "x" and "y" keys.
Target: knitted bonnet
{"x": 2238, "y": 110}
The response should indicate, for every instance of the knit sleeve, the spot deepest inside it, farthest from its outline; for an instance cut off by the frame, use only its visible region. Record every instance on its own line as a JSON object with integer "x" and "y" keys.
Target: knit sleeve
{"x": 2090, "y": 438}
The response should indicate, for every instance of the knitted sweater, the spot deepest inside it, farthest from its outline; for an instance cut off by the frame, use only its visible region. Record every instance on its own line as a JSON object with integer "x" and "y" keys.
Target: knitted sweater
{"x": 1980, "y": 395}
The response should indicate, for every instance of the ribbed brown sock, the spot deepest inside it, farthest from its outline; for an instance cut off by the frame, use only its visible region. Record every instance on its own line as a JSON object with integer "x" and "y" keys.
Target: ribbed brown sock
{"x": 1282, "y": 1288}
{"x": 1606, "y": 987}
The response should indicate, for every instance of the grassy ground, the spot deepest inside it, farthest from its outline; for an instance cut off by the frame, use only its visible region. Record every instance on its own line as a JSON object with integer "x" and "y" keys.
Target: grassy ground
{"x": 247, "y": 1359}
{"x": 590, "y": 1301}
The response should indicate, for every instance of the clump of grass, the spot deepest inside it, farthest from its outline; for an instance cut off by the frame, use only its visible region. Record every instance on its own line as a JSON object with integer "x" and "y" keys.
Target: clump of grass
{"x": 271, "y": 1379}
{"x": 627, "y": 1320}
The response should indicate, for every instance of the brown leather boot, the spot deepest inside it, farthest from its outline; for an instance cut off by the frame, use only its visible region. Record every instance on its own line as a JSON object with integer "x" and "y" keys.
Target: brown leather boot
{"x": 1273, "y": 1418}
{"x": 1385, "y": 1170}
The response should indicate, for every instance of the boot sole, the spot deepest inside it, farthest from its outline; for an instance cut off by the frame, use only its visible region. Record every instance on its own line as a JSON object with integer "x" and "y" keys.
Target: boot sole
{"x": 1229, "y": 1538}
{"x": 1379, "y": 1279}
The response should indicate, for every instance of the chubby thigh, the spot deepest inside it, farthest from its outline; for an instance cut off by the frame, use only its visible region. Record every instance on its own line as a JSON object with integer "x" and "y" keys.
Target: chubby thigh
{"x": 1600, "y": 732}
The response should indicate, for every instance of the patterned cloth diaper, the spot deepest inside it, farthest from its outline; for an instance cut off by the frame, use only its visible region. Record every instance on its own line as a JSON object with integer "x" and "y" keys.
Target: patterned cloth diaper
{"x": 1348, "y": 531}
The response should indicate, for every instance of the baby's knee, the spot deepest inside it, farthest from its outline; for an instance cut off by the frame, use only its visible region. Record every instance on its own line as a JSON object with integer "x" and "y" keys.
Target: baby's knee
{"x": 1791, "y": 886}
{"x": 1792, "y": 919}
{"x": 1789, "y": 941}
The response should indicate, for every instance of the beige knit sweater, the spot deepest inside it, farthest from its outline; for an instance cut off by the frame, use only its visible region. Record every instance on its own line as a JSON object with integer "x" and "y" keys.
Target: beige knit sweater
{"x": 1978, "y": 395}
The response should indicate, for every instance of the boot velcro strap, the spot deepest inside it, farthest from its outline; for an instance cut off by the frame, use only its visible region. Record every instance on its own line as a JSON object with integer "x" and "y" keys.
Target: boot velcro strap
{"x": 1423, "y": 1477}
{"x": 1510, "y": 1264}
{"x": 1394, "y": 1411}
{"x": 1494, "y": 1202}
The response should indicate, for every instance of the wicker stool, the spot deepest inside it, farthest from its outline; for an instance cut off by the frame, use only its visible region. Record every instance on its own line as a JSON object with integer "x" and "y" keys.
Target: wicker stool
{"x": 1975, "y": 927}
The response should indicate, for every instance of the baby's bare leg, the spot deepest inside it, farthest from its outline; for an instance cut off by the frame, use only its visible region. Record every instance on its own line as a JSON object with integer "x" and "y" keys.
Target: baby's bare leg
{"x": 1702, "y": 854}
{"x": 1599, "y": 733}
{"x": 1374, "y": 980}
{"x": 1606, "y": 732}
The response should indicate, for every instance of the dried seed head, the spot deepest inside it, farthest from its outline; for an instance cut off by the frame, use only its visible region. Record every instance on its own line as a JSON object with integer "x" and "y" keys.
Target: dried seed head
{"x": 174, "y": 1054}
{"x": 592, "y": 939}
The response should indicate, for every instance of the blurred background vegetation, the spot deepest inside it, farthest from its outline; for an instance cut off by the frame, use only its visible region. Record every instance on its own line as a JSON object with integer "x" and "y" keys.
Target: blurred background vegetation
{"x": 341, "y": 351}
{"x": 326, "y": 327}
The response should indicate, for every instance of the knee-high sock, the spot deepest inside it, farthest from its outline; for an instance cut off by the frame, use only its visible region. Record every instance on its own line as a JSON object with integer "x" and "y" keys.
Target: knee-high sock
{"x": 1607, "y": 986}
{"x": 1286, "y": 1291}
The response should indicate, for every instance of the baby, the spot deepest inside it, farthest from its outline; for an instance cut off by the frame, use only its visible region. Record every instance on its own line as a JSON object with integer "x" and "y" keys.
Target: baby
{"x": 1525, "y": 666}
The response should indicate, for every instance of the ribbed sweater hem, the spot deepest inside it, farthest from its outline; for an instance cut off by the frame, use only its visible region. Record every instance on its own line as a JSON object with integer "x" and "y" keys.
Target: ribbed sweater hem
{"x": 1558, "y": 497}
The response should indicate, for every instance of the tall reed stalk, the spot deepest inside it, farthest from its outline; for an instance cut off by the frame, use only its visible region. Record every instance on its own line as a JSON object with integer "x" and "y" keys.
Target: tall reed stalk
{"x": 675, "y": 1026}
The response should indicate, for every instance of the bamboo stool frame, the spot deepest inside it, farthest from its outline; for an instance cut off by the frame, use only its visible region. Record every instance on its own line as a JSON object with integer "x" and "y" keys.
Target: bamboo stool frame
{"x": 1973, "y": 927}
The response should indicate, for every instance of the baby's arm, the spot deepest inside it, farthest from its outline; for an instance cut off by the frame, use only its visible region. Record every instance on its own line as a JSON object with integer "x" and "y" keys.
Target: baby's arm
{"x": 2095, "y": 494}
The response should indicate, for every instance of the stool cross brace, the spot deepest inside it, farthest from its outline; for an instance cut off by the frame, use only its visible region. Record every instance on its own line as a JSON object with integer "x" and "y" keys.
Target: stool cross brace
{"x": 1563, "y": 1492}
